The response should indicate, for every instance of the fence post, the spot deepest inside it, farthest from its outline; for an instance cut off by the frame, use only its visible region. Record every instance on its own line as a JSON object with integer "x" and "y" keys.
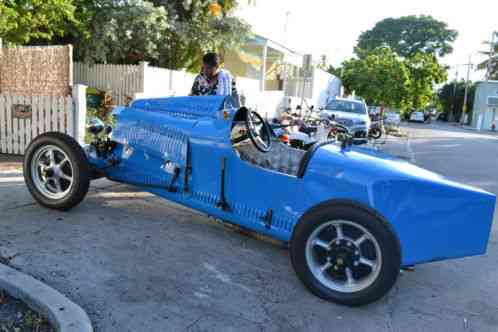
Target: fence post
{"x": 170, "y": 83}
{"x": 71, "y": 66}
{"x": 79, "y": 97}
{"x": 142, "y": 72}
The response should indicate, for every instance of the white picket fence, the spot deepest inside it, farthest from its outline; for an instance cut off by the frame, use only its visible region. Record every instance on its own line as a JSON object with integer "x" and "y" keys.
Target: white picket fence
{"x": 47, "y": 114}
{"x": 123, "y": 80}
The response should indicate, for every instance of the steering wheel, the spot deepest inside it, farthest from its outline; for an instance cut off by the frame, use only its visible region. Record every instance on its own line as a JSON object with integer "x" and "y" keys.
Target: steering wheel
{"x": 259, "y": 131}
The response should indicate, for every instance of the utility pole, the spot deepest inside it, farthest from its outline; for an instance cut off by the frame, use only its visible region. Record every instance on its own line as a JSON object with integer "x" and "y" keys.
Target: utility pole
{"x": 464, "y": 106}
{"x": 453, "y": 108}
{"x": 286, "y": 26}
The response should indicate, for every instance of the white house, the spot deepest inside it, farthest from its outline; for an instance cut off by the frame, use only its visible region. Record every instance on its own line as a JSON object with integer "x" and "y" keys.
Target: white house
{"x": 485, "y": 109}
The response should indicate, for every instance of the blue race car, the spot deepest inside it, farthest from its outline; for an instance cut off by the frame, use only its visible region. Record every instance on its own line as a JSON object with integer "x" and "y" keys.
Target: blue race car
{"x": 352, "y": 216}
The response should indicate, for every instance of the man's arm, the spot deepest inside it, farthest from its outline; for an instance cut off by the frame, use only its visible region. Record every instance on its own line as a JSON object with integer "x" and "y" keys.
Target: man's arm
{"x": 224, "y": 84}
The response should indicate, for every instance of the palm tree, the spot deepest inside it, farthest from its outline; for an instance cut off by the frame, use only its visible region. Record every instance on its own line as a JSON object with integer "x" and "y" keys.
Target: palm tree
{"x": 491, "y": 64}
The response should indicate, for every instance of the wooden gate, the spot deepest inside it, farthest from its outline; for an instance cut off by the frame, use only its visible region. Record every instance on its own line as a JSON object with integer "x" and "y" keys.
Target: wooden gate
{"x": 23, "y": 118}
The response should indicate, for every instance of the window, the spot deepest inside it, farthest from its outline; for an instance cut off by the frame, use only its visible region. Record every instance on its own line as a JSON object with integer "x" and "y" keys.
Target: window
{"x": 346, "y": 106}
{"x": 493, "y": 101}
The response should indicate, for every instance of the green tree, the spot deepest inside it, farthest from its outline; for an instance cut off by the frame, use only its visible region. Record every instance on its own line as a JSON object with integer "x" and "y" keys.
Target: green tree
{"x": 120, "y": 31}
{"x": 169, "y": 33}
{"x": 491, "y": 63}
{"x": 425, "y": 73}
{"x": 24, "y": 20}
{"x": 379, "y": 76}
{"x": 383, "y": 78}
{"x": 451, "y": 96}
{"x": 409, "y": 35}
{"x": 196, "y": 29}
{"x": 334, "y": 70}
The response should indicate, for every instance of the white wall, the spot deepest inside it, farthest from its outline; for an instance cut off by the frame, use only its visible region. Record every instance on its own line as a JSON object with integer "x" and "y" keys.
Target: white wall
{"x": 143, "y": 81}
{"x": 157, "y": 82}
{"x": 268, "y": 103}
{"x": 321, "y": 80}
{"x": 247, "y": 86}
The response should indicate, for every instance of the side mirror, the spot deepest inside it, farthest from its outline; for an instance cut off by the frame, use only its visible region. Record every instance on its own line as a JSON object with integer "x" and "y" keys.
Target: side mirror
{"x": 95, "y": 126}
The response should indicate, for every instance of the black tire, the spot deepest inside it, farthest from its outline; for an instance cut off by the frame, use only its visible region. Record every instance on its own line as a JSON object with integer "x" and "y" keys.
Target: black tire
{"x": 375, "y": 133}
{"x": 81, "y": 171}
{"x": 365, "y": 217}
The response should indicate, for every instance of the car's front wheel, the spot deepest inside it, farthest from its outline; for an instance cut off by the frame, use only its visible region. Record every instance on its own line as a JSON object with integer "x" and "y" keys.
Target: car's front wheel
{"x": 345, "y": 254}
{"x": 56, "y": 171}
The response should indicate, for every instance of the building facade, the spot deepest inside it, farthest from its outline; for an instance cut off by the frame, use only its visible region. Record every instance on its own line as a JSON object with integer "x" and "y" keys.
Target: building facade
{"x": 485, "y": 109}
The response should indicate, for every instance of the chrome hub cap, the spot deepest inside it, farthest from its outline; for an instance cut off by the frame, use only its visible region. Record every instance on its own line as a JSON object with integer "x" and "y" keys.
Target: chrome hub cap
{"x": 52, "y": 172}
{"x": 343, "y": 256}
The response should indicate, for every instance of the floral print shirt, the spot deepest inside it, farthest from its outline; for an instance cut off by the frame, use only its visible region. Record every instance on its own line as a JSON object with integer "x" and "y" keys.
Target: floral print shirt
{"x": 222, "y": 84}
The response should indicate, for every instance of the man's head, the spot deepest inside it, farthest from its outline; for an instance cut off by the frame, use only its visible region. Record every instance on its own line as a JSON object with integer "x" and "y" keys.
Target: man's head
{"x": 211, "y": 64}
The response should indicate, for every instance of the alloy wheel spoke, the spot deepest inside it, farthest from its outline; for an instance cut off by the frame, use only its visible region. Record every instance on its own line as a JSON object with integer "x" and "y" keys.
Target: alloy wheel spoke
{"x": 66, "y": 177}
{"x": 57, "y": 184}
{"x": 320, "y": 243}
{"x": 338, "y": 229}
{"x": 360, "y": 240}
{"x": 49, "y": 186}
{"x": 367, "y": 262}
{"x": 63, "y": 162}
{"x": 349, "y": 275}
{"x": 41, "y": 165}
{"x": 325, "y": 267}
{"x": 51, "y": 157}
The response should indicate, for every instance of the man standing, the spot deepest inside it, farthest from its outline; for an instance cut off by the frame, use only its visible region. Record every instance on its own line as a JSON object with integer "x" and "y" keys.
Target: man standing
{"x": 213, "y": 80}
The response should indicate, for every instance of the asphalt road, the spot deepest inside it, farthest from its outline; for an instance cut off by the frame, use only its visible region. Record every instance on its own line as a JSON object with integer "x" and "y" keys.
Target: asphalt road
{"x": 138, "y": 263}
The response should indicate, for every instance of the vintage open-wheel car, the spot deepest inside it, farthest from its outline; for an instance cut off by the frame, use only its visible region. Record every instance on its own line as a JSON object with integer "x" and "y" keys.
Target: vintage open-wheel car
{"x": 352, "y": 216}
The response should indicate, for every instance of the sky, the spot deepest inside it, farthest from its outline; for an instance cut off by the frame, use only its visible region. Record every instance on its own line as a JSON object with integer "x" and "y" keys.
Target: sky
{"x": 332, "y": 27}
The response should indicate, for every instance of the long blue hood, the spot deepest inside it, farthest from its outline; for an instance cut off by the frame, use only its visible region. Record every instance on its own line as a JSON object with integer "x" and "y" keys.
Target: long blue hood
{"x": 435, "y": 218}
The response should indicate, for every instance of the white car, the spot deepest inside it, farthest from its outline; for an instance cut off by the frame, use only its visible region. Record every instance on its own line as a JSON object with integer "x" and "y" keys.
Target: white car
{"x": 392, "y": 118}
{"x": 350, "y": 113}
{"x": 417, "y": 117}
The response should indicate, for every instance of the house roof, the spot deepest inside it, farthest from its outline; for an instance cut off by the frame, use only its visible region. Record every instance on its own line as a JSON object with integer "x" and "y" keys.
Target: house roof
{"x": 488, "y": 81}
{"x": 290, "y": 56}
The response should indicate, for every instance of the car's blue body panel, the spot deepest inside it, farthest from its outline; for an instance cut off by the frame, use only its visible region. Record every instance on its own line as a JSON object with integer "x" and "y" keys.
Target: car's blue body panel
{"x": 433, "y": 218}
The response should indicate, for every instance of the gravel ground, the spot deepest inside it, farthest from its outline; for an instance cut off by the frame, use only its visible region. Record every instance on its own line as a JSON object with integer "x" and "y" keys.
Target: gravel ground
{"x": 15, "y": 316}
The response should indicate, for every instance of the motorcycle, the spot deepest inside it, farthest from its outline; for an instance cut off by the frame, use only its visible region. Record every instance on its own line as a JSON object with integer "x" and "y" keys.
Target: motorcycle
{"x": 376, "y": 129}
{"x": 302, "y": 139}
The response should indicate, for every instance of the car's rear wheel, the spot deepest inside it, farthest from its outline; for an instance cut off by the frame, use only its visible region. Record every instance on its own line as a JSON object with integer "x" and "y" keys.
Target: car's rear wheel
{"x": 56, "y": 171}
{"x": 345, "y": 254}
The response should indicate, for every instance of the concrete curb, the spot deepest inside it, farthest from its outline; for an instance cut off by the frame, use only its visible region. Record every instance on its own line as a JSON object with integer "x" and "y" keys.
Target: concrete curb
{"x": 63, "y": 314}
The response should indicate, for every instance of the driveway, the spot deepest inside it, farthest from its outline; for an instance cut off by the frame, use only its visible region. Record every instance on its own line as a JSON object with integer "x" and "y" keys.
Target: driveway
{"x": 138, "y": 263}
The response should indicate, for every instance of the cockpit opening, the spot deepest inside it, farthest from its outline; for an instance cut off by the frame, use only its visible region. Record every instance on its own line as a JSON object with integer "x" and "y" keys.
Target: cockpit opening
{"x": 280, "y": 157}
